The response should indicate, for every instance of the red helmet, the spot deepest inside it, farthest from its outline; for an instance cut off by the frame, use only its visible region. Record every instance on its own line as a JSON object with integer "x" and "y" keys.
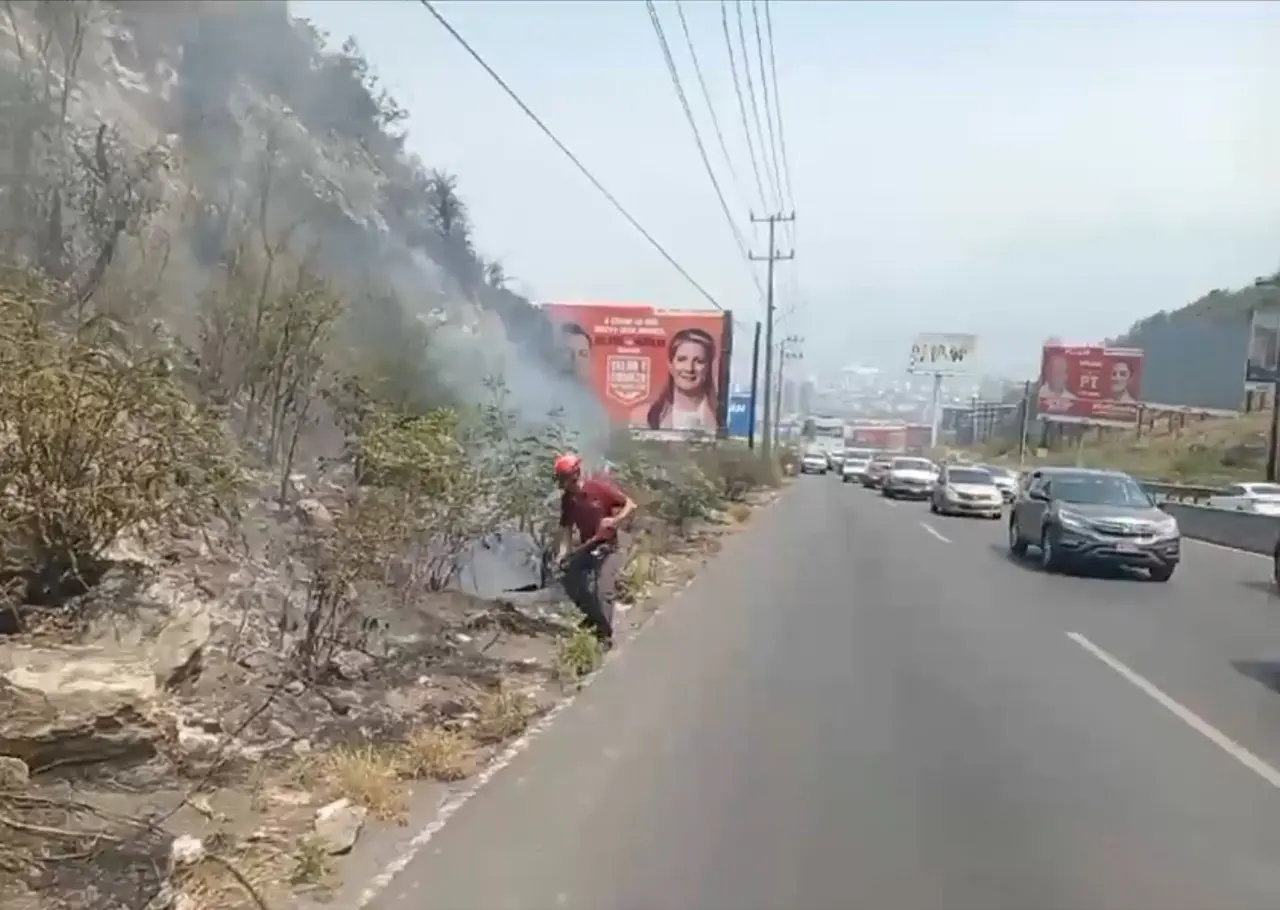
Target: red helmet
{"x": 567, "y": 465}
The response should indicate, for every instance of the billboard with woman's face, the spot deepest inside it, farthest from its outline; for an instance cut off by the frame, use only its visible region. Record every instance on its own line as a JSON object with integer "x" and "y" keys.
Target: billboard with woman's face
{"x": 650, "y": 368}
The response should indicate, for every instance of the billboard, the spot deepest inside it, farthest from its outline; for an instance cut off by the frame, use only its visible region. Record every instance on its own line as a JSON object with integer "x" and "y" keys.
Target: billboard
{"x": 939, "y": 352}
{"x": 739, "y": 419}
{"x": 1090, "y": 384}
{"x": 650, "y": 369}
{"x": 1263, "y": 365}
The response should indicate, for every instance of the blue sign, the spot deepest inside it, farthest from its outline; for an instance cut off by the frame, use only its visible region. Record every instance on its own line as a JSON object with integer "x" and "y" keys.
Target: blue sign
{"x": 739, "y": 416}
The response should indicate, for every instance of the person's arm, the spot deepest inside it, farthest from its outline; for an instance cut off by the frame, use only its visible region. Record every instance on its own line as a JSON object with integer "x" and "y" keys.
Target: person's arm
{"x": 623, "y": 507}
{"x": 564, "y": 536}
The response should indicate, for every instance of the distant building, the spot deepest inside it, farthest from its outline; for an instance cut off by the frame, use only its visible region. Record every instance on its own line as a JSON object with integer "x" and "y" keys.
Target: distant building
{"x": 804, "y": 397}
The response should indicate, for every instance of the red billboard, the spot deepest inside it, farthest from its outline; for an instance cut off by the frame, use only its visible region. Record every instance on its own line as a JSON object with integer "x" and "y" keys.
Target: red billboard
{"x": 651, "y": 368}
{"x": 1090, "y": 384}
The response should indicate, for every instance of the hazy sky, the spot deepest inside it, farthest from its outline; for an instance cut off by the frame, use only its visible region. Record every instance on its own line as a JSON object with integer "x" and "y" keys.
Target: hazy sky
{"x": 1017, "y": 170}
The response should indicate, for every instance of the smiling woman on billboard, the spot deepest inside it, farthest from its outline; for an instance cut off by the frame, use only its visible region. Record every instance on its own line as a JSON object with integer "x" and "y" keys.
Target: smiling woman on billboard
{"x": 689, "y": 400}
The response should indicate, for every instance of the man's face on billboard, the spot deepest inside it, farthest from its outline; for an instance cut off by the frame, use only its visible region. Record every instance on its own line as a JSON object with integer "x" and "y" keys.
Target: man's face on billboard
{"x": 1059, "y": 373}
{"x": 579, "y": 353}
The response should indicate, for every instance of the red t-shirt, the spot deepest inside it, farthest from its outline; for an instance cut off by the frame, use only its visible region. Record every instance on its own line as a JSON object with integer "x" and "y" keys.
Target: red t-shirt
{"x": 585, "y": 508}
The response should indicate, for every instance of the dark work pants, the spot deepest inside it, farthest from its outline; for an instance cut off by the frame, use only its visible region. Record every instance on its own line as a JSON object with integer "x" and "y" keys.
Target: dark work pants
{"x": 590, "y": 580}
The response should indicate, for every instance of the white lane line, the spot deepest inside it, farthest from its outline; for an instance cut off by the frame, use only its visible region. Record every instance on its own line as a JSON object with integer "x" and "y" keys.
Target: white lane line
{"x": 934, "y": 531}
{"x": 1193, "y": 720}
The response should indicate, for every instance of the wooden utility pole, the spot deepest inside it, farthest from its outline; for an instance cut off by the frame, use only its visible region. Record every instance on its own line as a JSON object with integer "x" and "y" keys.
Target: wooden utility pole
{"x": 773, "y": 256}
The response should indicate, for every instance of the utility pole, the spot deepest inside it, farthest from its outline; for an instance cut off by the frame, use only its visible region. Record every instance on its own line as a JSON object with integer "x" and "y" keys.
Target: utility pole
{"x": 755, "y": 389}
{"x": 773, "y": 256}
{"x": 786, "y": 351}
{"x": 1024, "y": 423}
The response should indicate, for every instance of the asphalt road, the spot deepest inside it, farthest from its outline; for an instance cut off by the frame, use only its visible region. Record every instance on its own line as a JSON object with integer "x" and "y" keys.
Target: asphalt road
{"x": 859, "y": 705}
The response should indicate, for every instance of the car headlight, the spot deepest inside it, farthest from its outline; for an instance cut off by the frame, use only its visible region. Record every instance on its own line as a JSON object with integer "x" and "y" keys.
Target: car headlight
{"x": 1072, "y": 521}
{"x": 1167, "y": 528}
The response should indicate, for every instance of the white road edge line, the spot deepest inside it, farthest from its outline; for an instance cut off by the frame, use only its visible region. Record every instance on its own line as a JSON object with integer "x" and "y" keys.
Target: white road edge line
{"x": 1228, "y": 745}
{"x": 453, "y": 802}
{"x": 934, "y": 531}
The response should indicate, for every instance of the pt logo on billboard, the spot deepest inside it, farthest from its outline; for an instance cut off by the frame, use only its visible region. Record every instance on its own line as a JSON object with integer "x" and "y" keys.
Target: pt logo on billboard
{"x": 628, "y": 379}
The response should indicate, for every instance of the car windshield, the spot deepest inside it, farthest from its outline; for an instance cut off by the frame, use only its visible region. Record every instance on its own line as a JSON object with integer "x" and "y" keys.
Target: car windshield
{"x": 1263, "y": 489}
{"x": 996, "y": 471}
{"x": 969, "y": 475}
{"x": 912, "y": 464}
{"x": 1100, "y": 490}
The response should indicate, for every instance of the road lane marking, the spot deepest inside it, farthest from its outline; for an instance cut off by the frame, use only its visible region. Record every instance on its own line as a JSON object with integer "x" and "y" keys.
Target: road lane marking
{"x": 1193, "y": 720}
{"x": 934, "y": 531}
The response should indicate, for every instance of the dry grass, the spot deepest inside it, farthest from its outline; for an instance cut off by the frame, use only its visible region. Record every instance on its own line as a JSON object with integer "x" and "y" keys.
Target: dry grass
{"x": 501, "y": 715}
{"x": 739, "y": 512}
{"x": 248, "y": 879}
{"x": 312, "y": 864}
{"x": 637, "y": 575}
{"x": 435, "y": 753}
{"x": 1210, "y": 452}
{"x": 577, "y": 655}
{"x": 367, "y": 775}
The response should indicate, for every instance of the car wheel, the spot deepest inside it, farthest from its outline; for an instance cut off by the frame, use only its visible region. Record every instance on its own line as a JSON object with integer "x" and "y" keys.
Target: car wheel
{"x": 1049, "y": 560}
{"x": 1161, "y": 573}
{"x": 933, "y": 507}
{"x": 1275, "y": 566}
{"x": 1017, "y": 546}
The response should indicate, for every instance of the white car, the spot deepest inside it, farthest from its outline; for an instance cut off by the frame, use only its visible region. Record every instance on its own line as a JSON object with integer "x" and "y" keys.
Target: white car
{"x": 1262, "y": 498}
{"x": 964, "y": 490}
{"x": 909, "y": 478}
{"x": 814, "y": 462}
{"x": 853, "y": 469}
{"x": 1006, "y": 480}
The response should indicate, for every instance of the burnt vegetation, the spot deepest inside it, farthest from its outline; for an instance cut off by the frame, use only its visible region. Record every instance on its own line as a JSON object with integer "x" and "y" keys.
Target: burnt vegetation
{"x": 240, "y": 322}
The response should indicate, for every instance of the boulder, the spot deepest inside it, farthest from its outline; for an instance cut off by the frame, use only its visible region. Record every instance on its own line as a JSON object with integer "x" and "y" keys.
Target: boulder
{"x": 72, "y": 706}
{"x": 161, "y": 622}
{"x": 14, "y": 773}
{"x": 338, "y": 825}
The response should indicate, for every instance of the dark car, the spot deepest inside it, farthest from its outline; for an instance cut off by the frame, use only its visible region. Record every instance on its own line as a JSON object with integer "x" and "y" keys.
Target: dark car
{"x": 877, "y": 470}
{"x": 1076, "y": 516}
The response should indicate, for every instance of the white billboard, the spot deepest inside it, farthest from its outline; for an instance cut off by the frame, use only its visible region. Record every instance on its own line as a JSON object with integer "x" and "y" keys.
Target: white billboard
{"x": 947, "y": 353}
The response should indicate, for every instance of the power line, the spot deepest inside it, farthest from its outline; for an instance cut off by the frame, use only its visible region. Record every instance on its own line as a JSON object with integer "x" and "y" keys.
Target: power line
{"x": 711, "y": 108}
{"x": 777, "y": 102}
{"x": 697, "y": 137}
{"x": 742, "y": 104}
{"x": 621, "y": 209}
{"x": 768, "y": 108}
{"x": 751, "y": 94}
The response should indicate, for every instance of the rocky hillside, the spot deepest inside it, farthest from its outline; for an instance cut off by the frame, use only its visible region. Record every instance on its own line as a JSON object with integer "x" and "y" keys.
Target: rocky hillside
{"x": 1217, "y": 304}
{"x": 270, "y": 432}
{"x": 170, "y": 148}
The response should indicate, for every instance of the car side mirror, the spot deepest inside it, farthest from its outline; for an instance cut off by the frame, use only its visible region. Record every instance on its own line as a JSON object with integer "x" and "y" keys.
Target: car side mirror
{"x": 1037, "y": 495}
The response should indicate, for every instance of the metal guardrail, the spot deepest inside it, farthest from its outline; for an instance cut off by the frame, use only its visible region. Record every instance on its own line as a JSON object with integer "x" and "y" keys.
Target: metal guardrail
{"x": 1180, "y": 492}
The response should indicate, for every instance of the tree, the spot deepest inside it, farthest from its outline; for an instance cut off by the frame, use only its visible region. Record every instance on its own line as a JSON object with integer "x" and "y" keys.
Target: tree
{"x": 447, "y": 209}
{"x": 495, "y": 275}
